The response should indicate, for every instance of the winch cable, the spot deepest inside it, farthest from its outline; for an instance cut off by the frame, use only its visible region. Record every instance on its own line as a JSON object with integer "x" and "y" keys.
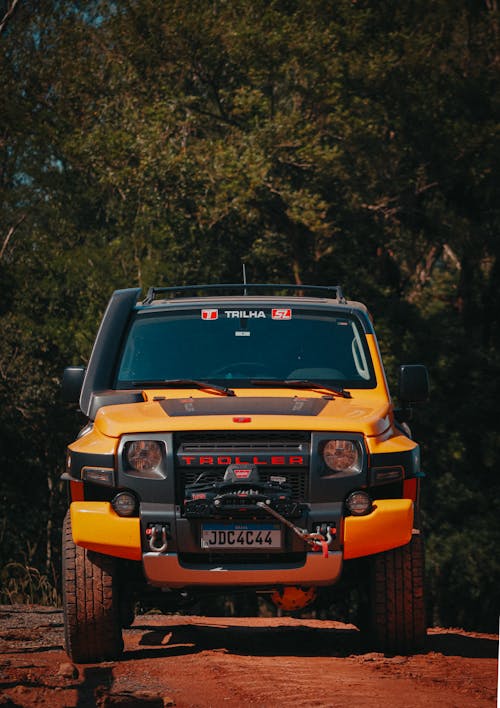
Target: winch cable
{"x": 316, "y": 540}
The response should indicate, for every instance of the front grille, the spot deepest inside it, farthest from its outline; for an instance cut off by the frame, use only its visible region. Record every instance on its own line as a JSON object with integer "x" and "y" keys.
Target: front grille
{"x": 297, "y": 478}
{"x": 272, "y": 452}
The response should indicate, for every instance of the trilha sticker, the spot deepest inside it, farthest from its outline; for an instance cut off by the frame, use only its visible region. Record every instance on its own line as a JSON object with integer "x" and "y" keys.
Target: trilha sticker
{"x": 277, "y": 313}
{"x": 245, "y": 314}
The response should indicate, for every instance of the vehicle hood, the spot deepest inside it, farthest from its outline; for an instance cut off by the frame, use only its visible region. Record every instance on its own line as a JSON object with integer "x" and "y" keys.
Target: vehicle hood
{"x": 366, "y": 412}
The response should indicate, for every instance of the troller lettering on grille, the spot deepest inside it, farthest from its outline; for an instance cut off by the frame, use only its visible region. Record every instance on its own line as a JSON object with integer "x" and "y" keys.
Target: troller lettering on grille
{"x": 218, "y": 460}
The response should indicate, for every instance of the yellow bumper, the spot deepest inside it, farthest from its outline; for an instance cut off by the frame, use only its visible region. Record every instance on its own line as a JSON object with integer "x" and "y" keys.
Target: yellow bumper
{"x": 96, "y": 526}
{"x": 388, "y": 526}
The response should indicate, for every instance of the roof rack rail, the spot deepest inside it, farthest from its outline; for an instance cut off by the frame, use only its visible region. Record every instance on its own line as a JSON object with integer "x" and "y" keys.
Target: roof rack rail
{"x": 333, "y": 291}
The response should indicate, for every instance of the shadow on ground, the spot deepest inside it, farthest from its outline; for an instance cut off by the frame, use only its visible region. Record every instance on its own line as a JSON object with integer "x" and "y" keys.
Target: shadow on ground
{"x": 287, "y": 641}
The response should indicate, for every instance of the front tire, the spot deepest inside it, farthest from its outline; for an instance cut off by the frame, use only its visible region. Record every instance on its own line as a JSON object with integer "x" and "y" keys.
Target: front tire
{"x": 92, "y": 626}
{"x": 398, "y": 622}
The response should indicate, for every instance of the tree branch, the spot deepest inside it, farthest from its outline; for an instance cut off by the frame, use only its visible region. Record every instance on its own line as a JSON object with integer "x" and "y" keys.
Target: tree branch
{"x": 8, "y": 15}
{"x": 10, "y": 233}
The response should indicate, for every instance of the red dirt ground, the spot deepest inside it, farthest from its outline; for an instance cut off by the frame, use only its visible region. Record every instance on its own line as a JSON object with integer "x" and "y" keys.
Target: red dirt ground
{"x": 198, "y": 662}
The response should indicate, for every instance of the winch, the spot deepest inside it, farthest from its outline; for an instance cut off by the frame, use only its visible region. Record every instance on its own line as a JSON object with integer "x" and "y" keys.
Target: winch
{"x": 241, "y": 491}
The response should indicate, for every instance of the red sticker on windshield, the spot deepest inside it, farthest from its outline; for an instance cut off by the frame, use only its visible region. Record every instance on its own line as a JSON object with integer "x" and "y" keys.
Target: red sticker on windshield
{"x": 209, "y": 314}
{"x": 281, "y": 313}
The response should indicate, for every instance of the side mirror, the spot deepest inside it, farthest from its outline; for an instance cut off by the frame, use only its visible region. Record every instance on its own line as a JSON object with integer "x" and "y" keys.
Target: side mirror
{"x": 413, "y": 384}
{"x": 72, "y": 383}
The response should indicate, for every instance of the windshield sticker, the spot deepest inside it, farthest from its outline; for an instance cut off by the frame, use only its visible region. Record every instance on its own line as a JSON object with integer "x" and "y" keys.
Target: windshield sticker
{"x": 209, "y": 314}
{"x": 281, "y": 313}
{"x": 245, "y": 314}
{"x": 278, "y": 313}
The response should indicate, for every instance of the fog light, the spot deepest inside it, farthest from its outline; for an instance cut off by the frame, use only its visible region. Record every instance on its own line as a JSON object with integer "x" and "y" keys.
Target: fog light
{"x": 358, "y": 503}
{"x": 124, "y": 504}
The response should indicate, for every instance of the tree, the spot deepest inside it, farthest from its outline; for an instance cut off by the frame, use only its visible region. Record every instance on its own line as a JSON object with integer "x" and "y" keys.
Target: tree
{"x": 154, "y": 143}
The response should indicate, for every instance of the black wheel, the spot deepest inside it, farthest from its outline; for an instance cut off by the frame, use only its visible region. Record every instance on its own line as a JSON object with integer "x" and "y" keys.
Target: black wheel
{"x": 397, "y": 598}
{"x": 92, "y": 625}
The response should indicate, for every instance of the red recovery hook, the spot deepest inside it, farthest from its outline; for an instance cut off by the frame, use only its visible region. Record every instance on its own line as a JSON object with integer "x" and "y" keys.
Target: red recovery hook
{"x": 317, "y": 541}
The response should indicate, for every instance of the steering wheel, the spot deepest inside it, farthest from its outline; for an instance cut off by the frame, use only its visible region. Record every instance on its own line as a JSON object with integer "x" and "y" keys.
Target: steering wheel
{"x": 232, "y": 370}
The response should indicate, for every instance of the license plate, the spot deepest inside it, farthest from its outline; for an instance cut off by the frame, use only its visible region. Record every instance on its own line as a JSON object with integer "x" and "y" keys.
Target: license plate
{"x": 241, "y": 535}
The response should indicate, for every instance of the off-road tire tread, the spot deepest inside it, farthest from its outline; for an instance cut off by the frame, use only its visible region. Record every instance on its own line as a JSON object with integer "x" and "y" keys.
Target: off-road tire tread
{"x": 92, "y": 626}
{"x": 398, "y": 621}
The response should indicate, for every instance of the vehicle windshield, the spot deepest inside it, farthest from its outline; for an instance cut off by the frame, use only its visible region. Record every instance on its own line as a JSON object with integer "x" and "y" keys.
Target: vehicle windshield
{"x": 238, "y": 346}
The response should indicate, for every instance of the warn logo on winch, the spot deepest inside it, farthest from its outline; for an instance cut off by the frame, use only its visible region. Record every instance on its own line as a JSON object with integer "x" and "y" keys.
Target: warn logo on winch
{"x": 242, "y": 473}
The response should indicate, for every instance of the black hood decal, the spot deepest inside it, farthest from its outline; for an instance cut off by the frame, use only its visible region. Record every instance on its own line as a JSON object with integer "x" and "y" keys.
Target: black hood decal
{"x": 243, "y": 406}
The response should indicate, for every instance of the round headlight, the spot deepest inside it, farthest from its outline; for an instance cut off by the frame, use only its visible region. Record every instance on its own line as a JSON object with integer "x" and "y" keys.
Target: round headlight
{"x": 342, "y": 455}
{"x": 144, "y": 455}
{"x": 358, "y": 503}
{"x": 124, "y": 504}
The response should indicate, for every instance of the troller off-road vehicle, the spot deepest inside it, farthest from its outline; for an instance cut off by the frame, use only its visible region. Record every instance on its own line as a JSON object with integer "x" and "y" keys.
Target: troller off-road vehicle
{"x": 239, "y": 440}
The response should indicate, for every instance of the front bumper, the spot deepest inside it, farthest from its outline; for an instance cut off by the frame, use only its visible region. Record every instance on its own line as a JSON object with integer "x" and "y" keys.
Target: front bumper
{"x": 97, "y": 527}
{"x": 389, "y": 525}
{"x": 166, "y": 570}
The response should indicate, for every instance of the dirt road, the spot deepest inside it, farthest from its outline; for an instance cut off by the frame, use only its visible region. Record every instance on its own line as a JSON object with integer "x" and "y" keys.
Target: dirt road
{"x": 268, "y": 663}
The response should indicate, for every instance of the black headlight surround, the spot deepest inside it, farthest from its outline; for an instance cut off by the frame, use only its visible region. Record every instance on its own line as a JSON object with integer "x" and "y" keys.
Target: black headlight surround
{"x": 327, "y": 486}
{"x": 322, "y": 439}
{"x": 159, "y": 472}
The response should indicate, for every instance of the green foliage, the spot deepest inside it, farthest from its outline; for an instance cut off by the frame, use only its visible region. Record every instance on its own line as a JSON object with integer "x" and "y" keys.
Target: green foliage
{"x": 166, "y": 143}
{"x": 24, "y": 584}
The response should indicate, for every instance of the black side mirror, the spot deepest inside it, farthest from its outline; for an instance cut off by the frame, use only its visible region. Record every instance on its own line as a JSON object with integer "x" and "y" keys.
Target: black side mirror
{"x": 413, "y": 384}
{"x": 72, "y": 383}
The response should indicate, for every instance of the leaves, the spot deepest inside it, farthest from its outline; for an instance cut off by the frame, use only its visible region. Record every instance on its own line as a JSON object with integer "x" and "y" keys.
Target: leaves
{"x": 166, "y": 143}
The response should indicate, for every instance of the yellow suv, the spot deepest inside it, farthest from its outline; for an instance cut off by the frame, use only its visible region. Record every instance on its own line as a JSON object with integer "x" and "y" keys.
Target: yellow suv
{"x": 239, "y": 437}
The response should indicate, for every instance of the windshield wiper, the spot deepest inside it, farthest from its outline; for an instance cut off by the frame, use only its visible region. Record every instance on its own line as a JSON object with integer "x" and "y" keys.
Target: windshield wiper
{"x": 183, "y": 383}
{"x": 303, "y": 383}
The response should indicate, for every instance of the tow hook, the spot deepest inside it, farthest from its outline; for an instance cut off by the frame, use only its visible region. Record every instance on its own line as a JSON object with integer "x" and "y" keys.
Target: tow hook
{"x": 157, "y": 538}
{"x": 324, "y": 536}
{"x": 318, "y": 541}
{"x": 327, "y": 532}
